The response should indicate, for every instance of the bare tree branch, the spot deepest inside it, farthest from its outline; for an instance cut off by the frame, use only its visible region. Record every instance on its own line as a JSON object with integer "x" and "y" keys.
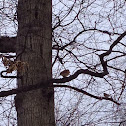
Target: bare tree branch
{"x": 86, "y": 93}
{"x": 41, "y": 85}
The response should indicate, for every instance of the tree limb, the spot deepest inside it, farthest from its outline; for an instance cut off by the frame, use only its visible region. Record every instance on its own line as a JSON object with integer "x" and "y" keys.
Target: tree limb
{"x": 86, "y": 93}
{"x": 40, "y": 85}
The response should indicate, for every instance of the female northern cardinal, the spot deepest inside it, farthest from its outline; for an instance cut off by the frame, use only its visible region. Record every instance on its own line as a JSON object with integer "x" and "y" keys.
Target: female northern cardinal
{"x": 106, "y": 95}
{"x": 65, "y": 73}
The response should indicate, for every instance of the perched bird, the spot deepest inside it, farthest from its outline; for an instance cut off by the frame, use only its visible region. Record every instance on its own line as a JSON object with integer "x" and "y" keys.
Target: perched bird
{"x": 106, "y": 95}
{"x": 65, "y": 73}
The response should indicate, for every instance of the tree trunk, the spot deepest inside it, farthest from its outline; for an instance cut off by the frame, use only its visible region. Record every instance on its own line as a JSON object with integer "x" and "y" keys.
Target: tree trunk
{"x": 34, "y": 47}
{"x": 8, "y": 44}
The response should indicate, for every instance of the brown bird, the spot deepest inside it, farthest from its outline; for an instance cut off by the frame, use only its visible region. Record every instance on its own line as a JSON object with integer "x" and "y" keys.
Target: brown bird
{"x": 65, "y": 73}
{"x": 106, "y": 95}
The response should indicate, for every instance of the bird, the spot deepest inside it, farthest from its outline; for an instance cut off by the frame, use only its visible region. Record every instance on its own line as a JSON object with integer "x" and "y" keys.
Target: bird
{"x": 65, "y": 73}
{"x": 106, "y": 95}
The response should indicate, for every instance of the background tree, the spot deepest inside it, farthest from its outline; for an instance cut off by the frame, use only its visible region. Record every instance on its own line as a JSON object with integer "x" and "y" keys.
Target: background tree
{"x": 89, "y": 41}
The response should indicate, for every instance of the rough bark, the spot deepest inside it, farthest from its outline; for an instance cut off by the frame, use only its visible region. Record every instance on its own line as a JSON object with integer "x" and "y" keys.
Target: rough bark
{"x": 8, "y": 44}
{"x": 35, "y": 108}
